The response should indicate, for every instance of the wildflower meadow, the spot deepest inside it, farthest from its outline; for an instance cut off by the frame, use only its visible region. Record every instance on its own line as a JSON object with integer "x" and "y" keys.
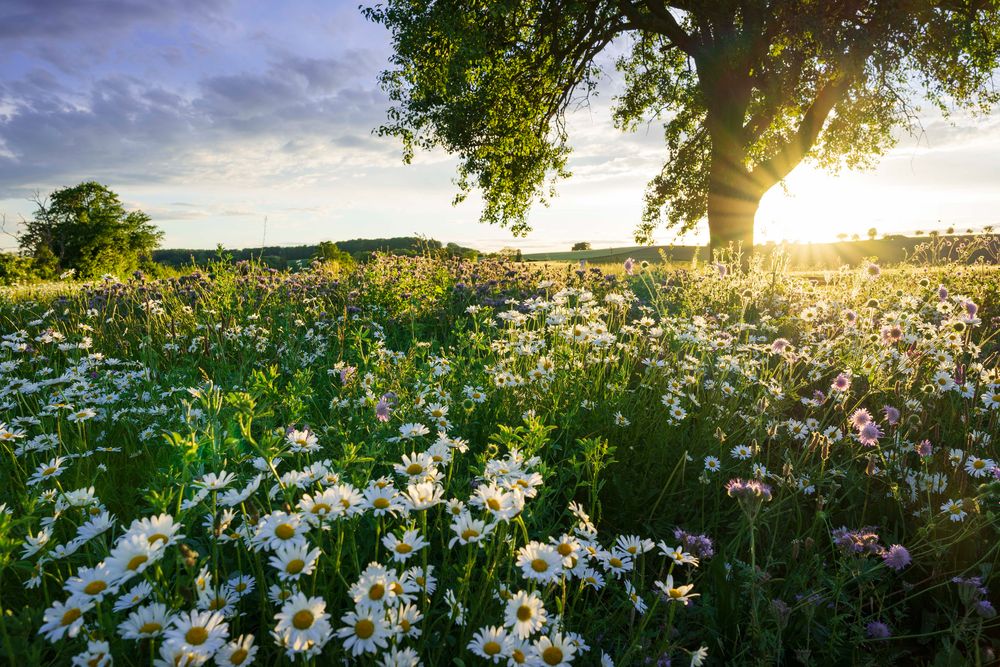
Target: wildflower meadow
{"x": 426, "y": 461}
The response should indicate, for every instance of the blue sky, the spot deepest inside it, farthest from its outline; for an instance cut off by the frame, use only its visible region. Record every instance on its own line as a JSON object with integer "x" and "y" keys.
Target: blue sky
{"x": 211, "y": 115}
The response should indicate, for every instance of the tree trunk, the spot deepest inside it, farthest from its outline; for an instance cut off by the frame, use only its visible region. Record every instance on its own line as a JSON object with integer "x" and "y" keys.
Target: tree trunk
{"x": 733, "y": 198}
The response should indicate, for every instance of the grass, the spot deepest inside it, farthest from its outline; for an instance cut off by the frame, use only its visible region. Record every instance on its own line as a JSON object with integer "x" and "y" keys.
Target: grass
{"x": 417, "y": 459}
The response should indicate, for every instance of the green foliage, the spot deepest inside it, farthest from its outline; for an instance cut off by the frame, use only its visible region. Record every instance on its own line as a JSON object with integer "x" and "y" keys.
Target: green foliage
{"x": 15, "y": 268}
{"x": 746, "y": 90}
{"x": 86, "y": 229}
{"x": 582, "y": 245}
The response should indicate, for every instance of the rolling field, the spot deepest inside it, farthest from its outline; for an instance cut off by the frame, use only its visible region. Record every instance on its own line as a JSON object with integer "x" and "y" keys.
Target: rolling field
{"x": 443, "y": 462}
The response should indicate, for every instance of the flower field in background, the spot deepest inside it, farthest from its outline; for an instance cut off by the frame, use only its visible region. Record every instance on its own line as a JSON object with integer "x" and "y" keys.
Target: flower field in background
{"x": 441, "y": 462}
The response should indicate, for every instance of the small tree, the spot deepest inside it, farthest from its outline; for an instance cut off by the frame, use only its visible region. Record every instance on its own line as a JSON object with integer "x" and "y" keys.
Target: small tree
{"x": 87, "y": 228}
{"x": 582, "y": 245}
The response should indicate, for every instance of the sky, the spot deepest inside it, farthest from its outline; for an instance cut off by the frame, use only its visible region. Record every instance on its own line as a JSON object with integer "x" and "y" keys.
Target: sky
{"x": 249, "y": 122}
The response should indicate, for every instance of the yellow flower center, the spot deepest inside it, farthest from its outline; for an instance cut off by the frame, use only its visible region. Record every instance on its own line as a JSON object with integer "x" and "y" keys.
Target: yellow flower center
{"x": 70, "y": 615}
{"x": 539, "y": 565}
{"x": 238, "y": 656}
{"x": 156, "y": 537}
{"x": 295, "y": 566}
{"x": 405, "y": 625}
{"x": 94, "y": 587}
{"x": 376, "y": 592}
{"x": 564, "y": 549}
{"x": 518, "y": 656}
{"x": 196, "y": 636}
{"x": 469, "y": 533}
{"x": 414, "y": 469}
{"x": 321, "y": 508}
{"x": 49, "y": 470}
{"x": 285, "y": 531}
{"x": 364, "y": 628}
{"x": 136, "y": 562}
{"x": 380, "y": 503}
{"x": 614, "y": 562}
{"x": 493, "y": 504}
{"x": 149, "y": 628}
{"x": 303, "y": 619}
{"x": 524, "y": 613}
{"x": 552, "y": 656}
{"x": 217, "y": 603}
{"x": 491, "y": 648}
{"x": 403, "y": 548}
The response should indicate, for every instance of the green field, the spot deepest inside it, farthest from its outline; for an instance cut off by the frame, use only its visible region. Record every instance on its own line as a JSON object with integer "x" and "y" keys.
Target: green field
{"x": 446, "y": 462}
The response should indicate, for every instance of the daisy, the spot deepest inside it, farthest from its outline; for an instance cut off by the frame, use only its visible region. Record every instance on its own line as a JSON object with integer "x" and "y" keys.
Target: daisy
{"x": 741, "y": 452}
{"x": 410, "y": 431}
{"x": 404, "y": 619}
{"x": 978, "y": 467}
{"x": 237, "y": 653}
{"x": 82, "y": 415}
{"x": 294, "y": 560}
{"x": 423, "y": 496}
{"x": 953, "y": 508}
{"x": 400, "y": 657}
{"x": 139, "y": 592}
{"x": 539, "y": 562}
{"x": 525, "y": 614}
{"x": 680, "y": 594}
{"x": 201, "y": 631}
{"x": 383, "y": 499}
{"x": 158, "y": 529}
{"x": 213, "y": 482}
{"x": 415, "y": 465}
{"x": 302, "y": 625}
{"x": 490, "y": 643}
{"x": 302, "y": 441}
{"x": 712, "y": 464}
{"x": 468, "y": 530}
{"x": 633, "y": 545}
{"x": 98, "y": 654}
{"x": 365, "y": 631}
{"x": 373, "y": 587}
{"x": 64, "y": 619}
{"x": 92, "y": 582}
{"x": 145, "y": 622}
{"x": 47, "y": 471}
{"x": 278, "y": 528}
{"x": 677, "y": 554}
{"x": 554, "y": 650}
{"x": 132, "y": 555}
{"x": 403, "y": 548}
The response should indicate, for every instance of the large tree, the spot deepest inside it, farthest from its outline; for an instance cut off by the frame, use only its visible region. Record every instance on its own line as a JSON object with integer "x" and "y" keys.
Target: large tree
{"x": 87, "y": 229}
{"x": 746, "y": 90}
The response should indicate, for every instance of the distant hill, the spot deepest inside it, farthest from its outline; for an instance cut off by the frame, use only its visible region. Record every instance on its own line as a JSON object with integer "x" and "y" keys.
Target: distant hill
{"x": 284, "y": 256}
{"x": 828, "y": 255}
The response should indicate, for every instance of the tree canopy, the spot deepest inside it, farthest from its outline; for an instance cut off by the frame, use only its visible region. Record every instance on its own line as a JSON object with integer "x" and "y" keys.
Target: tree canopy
{"x": 86, "y": 229}
{"x": 745, "y": 89}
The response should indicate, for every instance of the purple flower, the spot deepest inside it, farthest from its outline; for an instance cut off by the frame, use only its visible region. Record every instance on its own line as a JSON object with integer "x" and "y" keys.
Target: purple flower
{"x": 891, "y": 415}
{"x": 971, "y": 308}
{"x": 860, "y": 418}
{"x": 869, "y": 434}
{"x": 942, "y": 292}
{"x": 985, "y": 609}
{"x": 750, "y": 489}
{"x": 780, "y": 345}
{"x": 699, "y": 546}
{"x": 925, "y": 448}
{"x": 629, "y": 266}
{"x": 897, "y": 557}
{"x": 877, "y": 630}
{"x": 842, "y": 382}
{"x": 347, "y": 373}
{"x": 722, "y": 268}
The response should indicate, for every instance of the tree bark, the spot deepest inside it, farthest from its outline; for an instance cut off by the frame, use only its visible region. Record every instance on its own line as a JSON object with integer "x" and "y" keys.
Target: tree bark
{"x": 733, "y": 198}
